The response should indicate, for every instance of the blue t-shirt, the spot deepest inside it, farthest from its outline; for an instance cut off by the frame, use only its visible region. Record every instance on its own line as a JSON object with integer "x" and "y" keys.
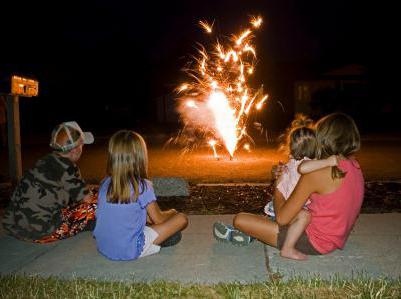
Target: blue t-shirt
{"x": 119, "y": 227}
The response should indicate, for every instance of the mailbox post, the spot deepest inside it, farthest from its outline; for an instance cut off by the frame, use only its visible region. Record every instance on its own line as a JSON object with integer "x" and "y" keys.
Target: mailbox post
{"x": 20, "y": 86}
{"x": 14, "y": 138}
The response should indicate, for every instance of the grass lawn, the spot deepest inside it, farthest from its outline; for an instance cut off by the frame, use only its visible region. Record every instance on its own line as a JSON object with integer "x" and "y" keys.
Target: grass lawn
{"x": 35, "y": 287}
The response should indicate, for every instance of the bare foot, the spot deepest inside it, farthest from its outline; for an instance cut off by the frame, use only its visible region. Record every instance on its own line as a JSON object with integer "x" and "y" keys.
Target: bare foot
{"x": 292, "y": 253}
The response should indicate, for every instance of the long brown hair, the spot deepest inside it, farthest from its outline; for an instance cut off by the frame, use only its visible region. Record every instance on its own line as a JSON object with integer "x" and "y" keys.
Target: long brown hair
{"x": 337, "y": 134}
{"x": 127, "y": 164}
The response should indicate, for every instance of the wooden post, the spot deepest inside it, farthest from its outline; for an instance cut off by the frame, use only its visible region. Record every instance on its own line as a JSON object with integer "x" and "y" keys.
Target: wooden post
{"x": 14, "y": 138}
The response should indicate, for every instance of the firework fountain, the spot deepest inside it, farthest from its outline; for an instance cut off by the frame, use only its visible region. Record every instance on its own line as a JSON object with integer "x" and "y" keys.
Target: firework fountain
{"x": 216, "y": 100}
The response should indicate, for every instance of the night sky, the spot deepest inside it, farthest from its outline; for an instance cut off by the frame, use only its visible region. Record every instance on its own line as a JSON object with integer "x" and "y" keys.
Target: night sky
{"x": 104, "y": 62}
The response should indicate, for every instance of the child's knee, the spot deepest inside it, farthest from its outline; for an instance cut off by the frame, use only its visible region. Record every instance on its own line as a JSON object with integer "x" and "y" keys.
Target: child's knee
{"x": 238, "y": 220}
{"x": 183, "y": 219}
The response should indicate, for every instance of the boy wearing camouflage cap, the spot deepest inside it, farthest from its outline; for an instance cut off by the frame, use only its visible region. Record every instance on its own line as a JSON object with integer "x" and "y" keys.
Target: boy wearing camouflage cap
{"x": 52, "y": 201}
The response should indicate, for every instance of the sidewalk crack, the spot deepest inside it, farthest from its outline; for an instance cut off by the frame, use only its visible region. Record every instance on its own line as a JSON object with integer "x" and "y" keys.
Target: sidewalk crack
{"x": 273, "y": 276}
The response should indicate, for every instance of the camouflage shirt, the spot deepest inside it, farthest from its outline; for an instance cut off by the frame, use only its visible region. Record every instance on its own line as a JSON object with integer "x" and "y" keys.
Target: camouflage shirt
{"x": 35, "y": 207}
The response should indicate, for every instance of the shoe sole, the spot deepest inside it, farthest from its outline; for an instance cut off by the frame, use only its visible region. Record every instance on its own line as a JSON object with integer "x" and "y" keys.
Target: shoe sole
{"x": 221, "y": 233}
{"x": 172, "y": 240}
{"x": 238, "y": 238}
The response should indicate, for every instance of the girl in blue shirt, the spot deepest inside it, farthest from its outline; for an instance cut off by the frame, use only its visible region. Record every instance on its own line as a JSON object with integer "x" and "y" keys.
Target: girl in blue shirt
{"x": 129, "y": 222}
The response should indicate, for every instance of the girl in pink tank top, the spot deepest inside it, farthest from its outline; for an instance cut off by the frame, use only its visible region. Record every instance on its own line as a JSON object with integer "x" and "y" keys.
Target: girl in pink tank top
{"x": 336, "y": 195}
{"x": 334, "y": 214}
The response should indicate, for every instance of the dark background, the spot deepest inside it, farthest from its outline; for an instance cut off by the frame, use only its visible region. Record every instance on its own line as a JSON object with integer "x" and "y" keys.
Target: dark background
{"x": 103, "y": 63}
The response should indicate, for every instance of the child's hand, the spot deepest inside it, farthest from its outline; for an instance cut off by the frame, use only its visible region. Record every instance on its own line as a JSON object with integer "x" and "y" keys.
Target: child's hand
{"x": 333, "y": 160}
{"x": 91, "y": 197}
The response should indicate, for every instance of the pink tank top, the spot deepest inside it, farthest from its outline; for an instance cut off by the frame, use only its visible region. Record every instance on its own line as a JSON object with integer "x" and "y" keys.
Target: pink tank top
{"x": 334, "y": 214}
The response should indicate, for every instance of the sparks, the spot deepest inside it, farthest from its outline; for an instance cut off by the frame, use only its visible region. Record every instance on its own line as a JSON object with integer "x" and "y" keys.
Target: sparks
{"x": 213, "y": 145}
{"x": 220, "y": 51}
{"x": 248, "y": 48}
{"x": 208, "y": 28}
{"x": 218, "y": 89}
{"x": 182, "y": 87}
{"x": 224, "y": 117}
{"x": 232, "y": 54}
{"x": 242, "y": 37}
{"x": 260, "y": 103}
{"x": 256, "y": 21}
{"x": 191, "y": 104}
{"x": 214, "y": 84}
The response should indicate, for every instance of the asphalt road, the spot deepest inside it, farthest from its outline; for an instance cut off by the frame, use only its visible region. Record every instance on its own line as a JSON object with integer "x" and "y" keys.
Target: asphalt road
{"x": 380, "y": 160}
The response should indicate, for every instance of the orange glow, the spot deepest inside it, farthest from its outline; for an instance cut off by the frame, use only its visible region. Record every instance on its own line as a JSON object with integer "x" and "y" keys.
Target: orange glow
{"x": 24, "y": 86}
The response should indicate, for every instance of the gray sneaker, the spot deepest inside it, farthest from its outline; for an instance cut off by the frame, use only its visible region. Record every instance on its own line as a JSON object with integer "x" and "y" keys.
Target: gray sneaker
{"x": 222, "y": 232}
{"x": 228, "y": 234}
{"x": 172, "y": 240}
{"x": 238, "y": 238}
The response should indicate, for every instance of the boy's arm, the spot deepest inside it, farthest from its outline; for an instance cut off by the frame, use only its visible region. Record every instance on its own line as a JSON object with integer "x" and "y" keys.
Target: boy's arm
{"x": 308, "y": 166}
{"x": 76, "y": 187}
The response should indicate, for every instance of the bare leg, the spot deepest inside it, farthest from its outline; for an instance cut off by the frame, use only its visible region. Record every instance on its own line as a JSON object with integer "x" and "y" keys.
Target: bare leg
{"x": 295, "y": 230}
{"x": 149, "y": 221}
{"x": 258, "y": 227}
{"x": 168, "y": 228}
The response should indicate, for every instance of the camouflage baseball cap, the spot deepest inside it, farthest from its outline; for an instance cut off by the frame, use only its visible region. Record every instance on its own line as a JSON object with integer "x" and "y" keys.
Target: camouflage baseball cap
{"x": 69, "y": 135}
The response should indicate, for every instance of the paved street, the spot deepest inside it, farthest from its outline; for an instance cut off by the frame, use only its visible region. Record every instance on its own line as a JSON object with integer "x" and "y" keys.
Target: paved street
{"x": 380, "y": 160}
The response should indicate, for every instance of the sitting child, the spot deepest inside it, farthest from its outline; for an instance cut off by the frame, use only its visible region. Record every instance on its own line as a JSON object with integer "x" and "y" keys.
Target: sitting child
{"x": 129, "y": 222}
{"x": 301, "y": 146}
{"x": 52, "y": 202}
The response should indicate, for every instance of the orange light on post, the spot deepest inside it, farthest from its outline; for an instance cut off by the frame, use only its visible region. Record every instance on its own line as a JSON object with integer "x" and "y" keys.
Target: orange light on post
{"x": 24, "y": 87}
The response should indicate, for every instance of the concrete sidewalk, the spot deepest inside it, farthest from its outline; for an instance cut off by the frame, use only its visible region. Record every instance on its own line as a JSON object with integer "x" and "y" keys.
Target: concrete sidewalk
{"x": 372, "y": 250}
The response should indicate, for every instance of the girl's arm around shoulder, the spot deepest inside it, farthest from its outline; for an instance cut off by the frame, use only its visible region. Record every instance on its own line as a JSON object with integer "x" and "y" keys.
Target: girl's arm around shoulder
{"x": 287, "y": 210}
{"x": 156, "y": 215}
{"x": 308, "y": 166}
